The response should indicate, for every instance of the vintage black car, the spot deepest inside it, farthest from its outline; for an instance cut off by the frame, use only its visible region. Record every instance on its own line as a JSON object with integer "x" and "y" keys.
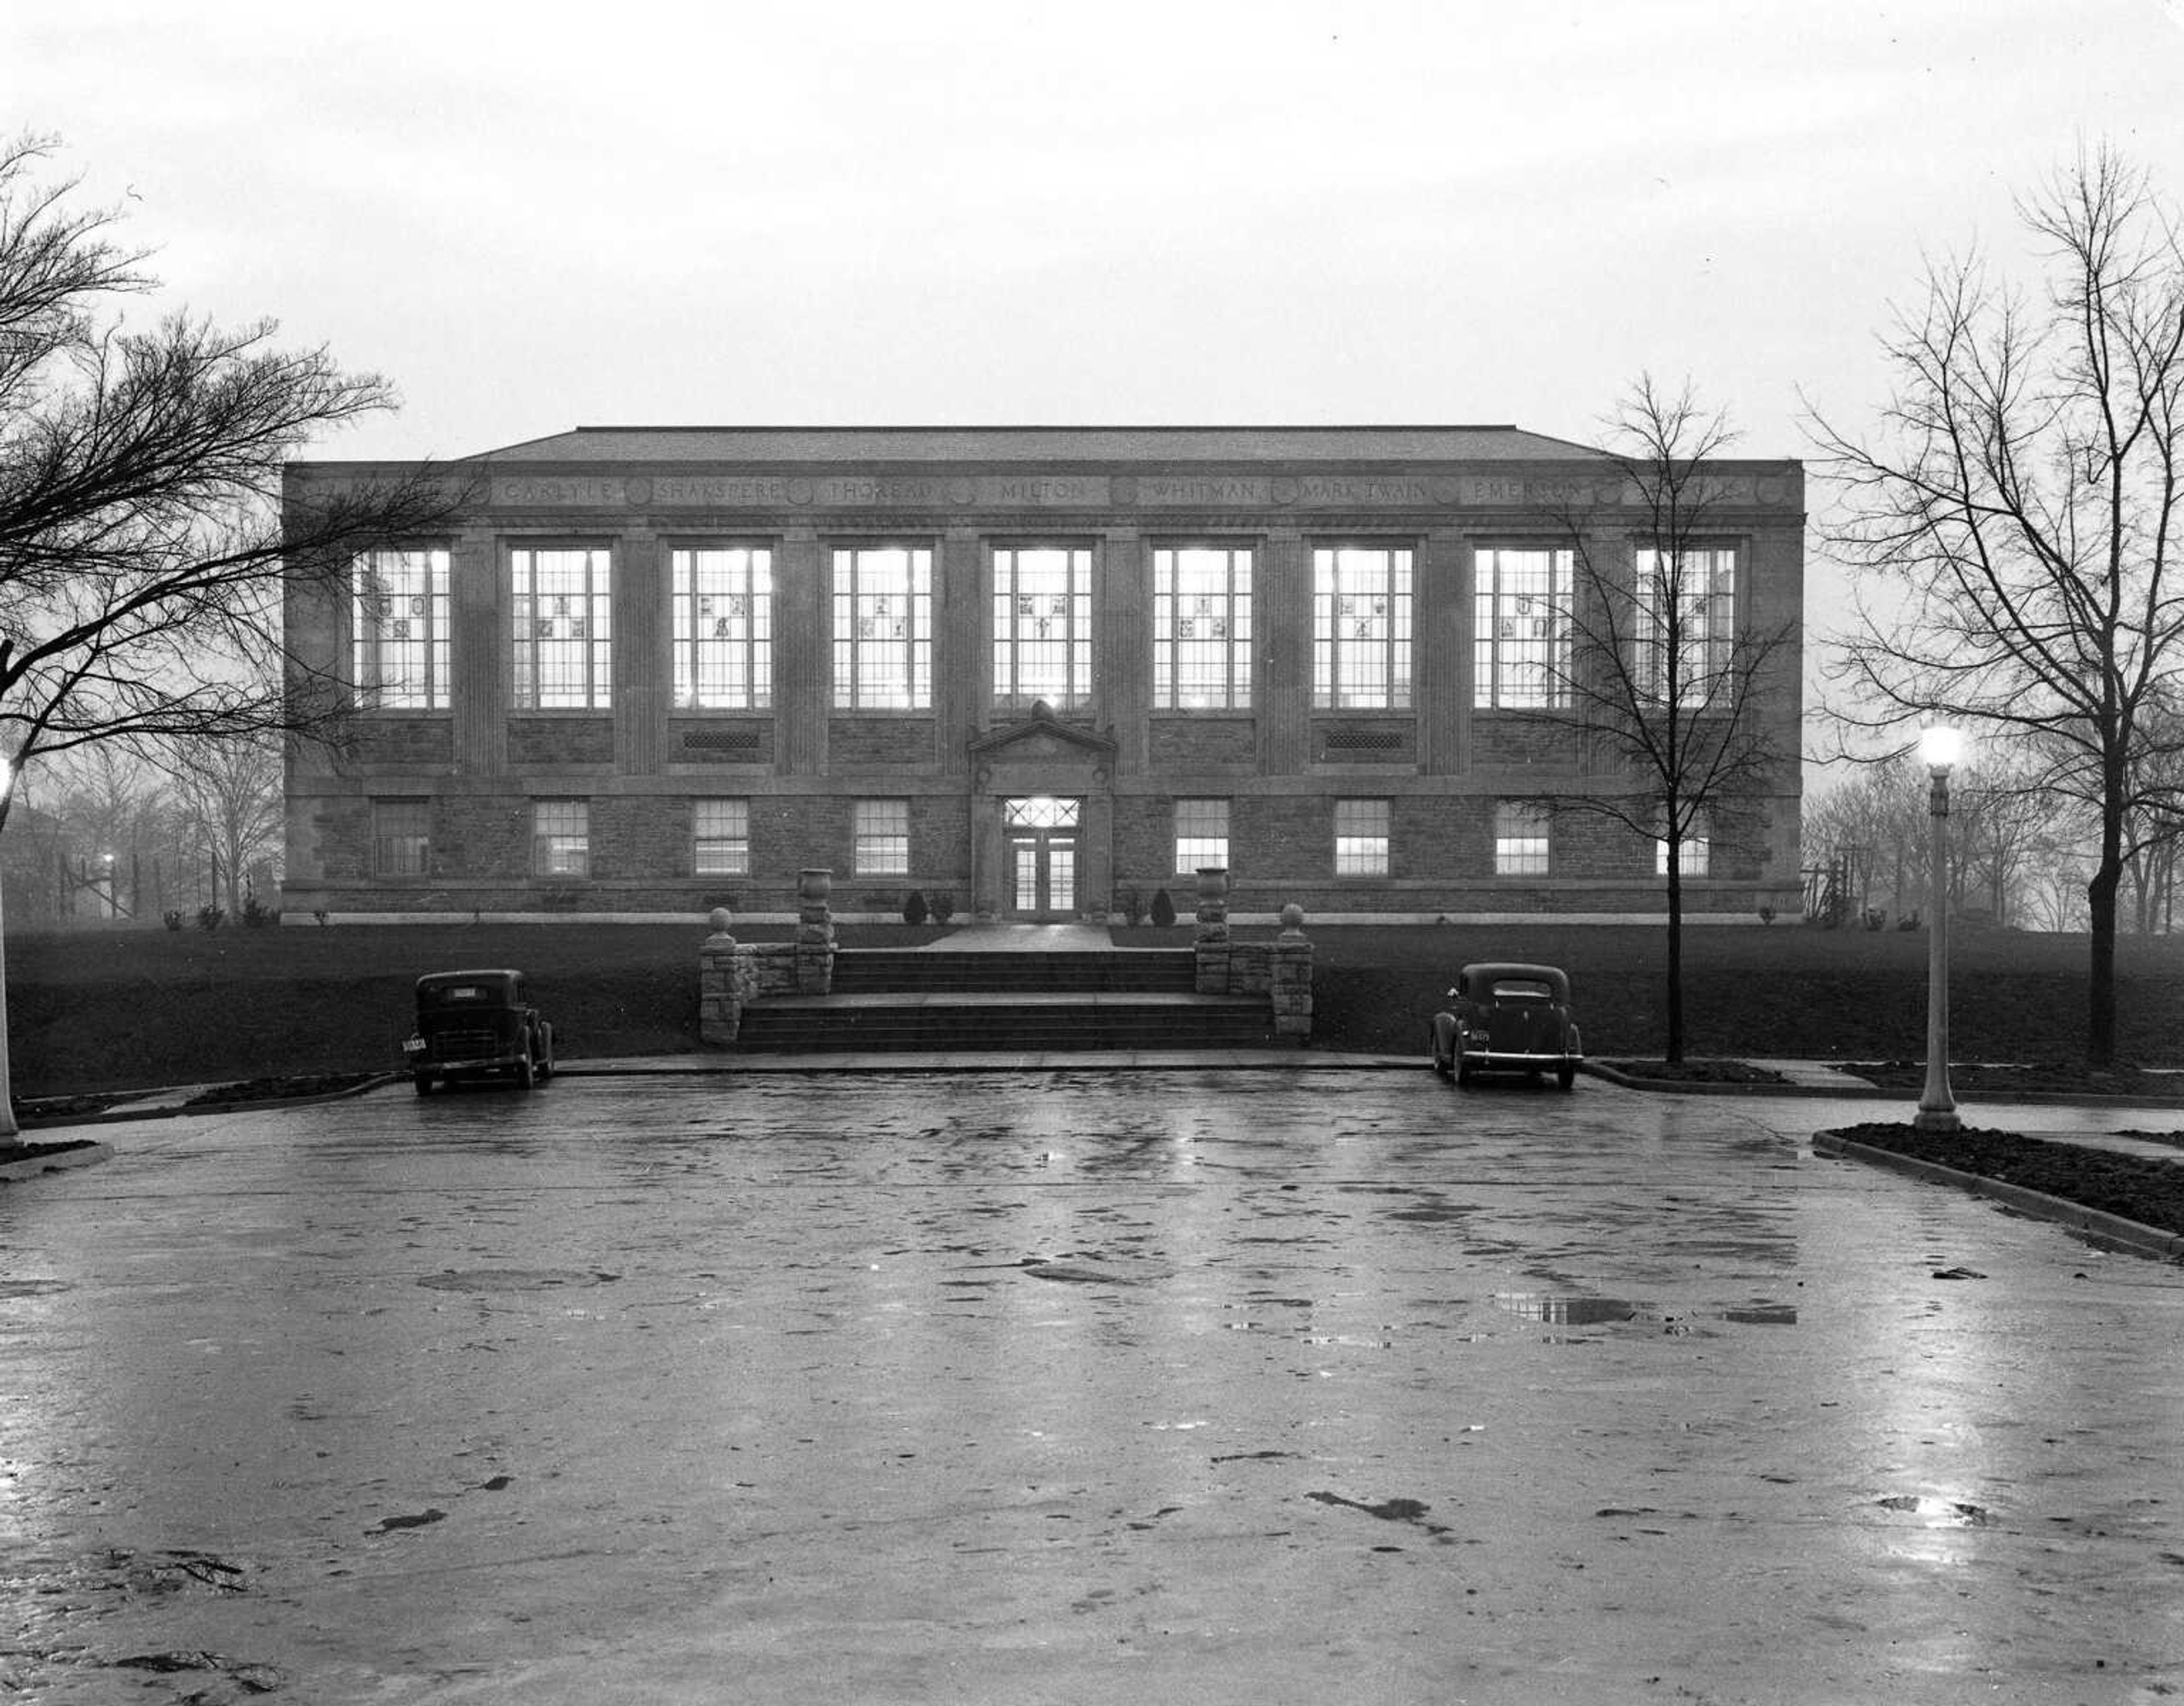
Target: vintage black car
{"x": 1508, "y": 1017}
{"x": 477, "y": 1024}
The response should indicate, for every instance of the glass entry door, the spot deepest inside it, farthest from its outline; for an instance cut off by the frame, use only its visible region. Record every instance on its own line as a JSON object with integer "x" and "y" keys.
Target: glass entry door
{"x": 1041, "y": 834}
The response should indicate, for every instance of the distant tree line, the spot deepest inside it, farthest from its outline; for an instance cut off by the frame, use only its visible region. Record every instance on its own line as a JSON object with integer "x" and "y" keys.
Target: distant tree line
{"x": 113, "y": 835}
{"x": 2018, "y": 857}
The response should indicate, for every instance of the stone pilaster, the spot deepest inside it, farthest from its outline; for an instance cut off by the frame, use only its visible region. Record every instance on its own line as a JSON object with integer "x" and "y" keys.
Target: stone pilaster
{"x": 1444, "y": 642}
{"x": 1282, "y": 620}
{"x": 644, "y": 654}
{"x": 804, "y": 654}
{"x": 478, "y": 637}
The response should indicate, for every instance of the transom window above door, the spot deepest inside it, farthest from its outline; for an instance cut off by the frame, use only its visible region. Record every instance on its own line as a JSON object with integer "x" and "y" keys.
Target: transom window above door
{"x": 1042, "y": 811}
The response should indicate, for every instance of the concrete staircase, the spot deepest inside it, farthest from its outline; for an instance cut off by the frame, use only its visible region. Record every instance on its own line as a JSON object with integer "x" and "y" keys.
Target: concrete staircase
{"x": 897, "y": 1001}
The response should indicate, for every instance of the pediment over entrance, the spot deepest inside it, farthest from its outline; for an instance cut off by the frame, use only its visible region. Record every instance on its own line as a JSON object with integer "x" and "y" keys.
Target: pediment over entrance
{"x": 1040, "y": 738}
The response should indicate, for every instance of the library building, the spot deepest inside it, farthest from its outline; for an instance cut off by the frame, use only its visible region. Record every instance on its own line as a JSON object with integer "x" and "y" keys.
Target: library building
{"x": 1026, "y": 673}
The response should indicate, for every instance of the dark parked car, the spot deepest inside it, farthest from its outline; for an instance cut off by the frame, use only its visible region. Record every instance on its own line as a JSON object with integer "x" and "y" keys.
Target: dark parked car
{"x": 477, "y": 1024}
{"x": 1503, "y": 1018}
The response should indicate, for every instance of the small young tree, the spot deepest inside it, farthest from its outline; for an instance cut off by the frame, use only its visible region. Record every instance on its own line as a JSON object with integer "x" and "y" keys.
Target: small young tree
{"x": 1657, "y": 678}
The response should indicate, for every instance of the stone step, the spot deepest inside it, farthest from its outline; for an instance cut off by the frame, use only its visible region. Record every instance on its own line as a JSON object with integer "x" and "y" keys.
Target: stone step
{"x": 860, "y": 970}
{"x": 1003, "y": 1020}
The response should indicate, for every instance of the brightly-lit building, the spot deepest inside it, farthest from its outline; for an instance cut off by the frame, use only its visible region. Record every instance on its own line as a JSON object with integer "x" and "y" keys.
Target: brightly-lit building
{"x": 1043, "y": 672}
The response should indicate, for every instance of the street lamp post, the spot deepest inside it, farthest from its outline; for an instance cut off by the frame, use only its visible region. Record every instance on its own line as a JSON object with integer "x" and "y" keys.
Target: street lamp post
{"x": 1939, "y": 747}
{"x": 8, "y": 1128}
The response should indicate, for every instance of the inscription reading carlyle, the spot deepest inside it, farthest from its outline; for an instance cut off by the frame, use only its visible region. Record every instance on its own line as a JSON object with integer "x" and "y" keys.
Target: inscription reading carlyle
{"x": 538, "y": 489}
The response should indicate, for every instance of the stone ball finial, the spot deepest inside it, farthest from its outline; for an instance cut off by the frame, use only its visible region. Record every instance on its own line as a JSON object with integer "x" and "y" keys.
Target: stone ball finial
{"x": 719, "y": 918}
{"x": 1292, "y": 917}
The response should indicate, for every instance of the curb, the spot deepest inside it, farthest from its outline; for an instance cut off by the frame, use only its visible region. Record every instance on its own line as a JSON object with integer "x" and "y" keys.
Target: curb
{"x": 2133, "y": 1234}
{"x": 1665, "y": 1086}
{"x": 89, "y": 1155}
{"x": 116, "y": 1116}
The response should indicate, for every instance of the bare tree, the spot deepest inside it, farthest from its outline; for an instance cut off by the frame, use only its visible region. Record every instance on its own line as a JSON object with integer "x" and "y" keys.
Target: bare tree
{"x": 1872, "y": 826}
{"x": 108, "y": 796}
{"x": 142, "y": 548}
{"x": 1657, "y": 679}
{"x": 231, "y": 790}
{"x": 2015, "y": 531}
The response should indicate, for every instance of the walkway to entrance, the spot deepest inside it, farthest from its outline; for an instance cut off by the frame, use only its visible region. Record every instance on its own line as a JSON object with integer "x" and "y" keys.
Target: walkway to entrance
{"x": 1025, "y": 939}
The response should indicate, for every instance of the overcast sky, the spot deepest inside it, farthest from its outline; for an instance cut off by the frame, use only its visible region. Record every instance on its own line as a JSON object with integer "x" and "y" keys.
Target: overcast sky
{"x": 1200, "y": 211}
{"x": 1268, "y": 212}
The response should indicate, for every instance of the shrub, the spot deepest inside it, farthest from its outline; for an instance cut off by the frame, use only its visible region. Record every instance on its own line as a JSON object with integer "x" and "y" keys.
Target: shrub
{"x": 943, "y": 906}
{"x": 171, "y": 918}
{"x": 255, "y": 912}
{"x": 210, "y": 917}
{"x": 914, "y": 909}
{"x": 1131, "y": 905}
{"x": 1766, "y": 914}
{"x": 1163, "y": 908}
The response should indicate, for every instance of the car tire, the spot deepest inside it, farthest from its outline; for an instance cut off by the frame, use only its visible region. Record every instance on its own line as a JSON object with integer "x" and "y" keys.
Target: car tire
{"x": 423, "y": 1083}
{"x": 1566, "y": 1075}
{"x": 1462, "y": 1066}
{"x": 527, "y": 1075}
{"x": 546, "y": 1060}
{"x": 1433, "y": 1049}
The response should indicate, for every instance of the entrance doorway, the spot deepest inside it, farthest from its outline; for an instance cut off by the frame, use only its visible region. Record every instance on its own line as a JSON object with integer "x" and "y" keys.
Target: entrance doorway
{"x": 1040, "y": 833}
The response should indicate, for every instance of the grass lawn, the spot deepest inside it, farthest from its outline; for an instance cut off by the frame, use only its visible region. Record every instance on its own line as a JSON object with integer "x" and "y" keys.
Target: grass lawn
{"x": 99, "y": 1010}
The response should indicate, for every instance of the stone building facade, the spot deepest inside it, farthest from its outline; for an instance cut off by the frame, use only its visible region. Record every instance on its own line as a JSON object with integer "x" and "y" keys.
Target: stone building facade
{"x": 1036, "y": 672}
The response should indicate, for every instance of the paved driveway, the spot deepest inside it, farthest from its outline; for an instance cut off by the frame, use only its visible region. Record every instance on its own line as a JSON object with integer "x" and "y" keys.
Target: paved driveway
{"x": 1073, "y": 1387}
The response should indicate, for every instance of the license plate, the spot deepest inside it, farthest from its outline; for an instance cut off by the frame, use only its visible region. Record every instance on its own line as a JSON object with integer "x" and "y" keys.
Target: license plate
{"x": 413, "y": 1045}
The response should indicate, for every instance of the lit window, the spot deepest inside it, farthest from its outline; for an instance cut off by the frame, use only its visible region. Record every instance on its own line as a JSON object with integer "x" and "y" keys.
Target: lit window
{"x": 1361, "y": 838}
{"x": 1520, "y": 631}
{"x": 1042, "y": 626}
{"x": 401, "y": 838}
{"x": 1691, "y": 860}
{"x": 1520, "y": 838}
{"x": 398, "y": 629}
{"x": 1201, "y": 629}
{"x": 564, "y": 618}
{"x": 723, "y": 627}
{"x": 1360, "y": 617}
{"x": 883, "y": 838}
{"x": 1686, "y": 615}
{"x": 719, "y": 844}
{"x": 1201, "y": 833}
{"x": 883, "y": 628}
{"x": 561, "y": 838}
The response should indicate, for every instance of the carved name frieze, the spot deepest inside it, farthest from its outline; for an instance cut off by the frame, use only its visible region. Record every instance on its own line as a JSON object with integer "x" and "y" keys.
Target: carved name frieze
{"x": 1102, "y": 492}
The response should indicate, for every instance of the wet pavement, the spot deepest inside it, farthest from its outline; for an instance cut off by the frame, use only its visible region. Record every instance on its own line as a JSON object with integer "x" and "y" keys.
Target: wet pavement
{"x": 1071, "y": 1387}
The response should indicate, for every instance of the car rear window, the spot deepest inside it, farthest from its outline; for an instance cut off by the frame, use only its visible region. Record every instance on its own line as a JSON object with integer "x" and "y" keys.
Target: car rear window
{"x": 452, "y": 995}
{"x": 1528, "y": 990}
